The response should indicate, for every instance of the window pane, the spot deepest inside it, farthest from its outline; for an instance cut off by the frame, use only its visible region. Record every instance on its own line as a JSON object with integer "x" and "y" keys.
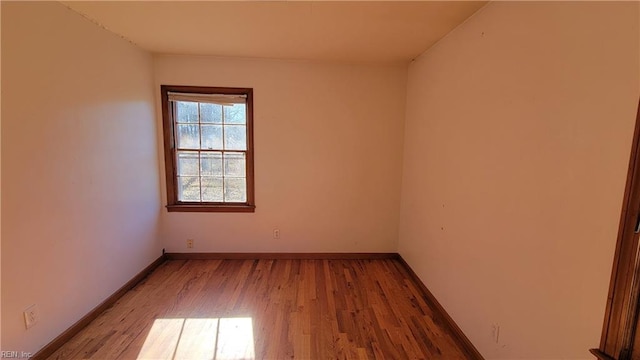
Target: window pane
{"x": 188, "y": 136}
{"x": 212, "y": 189}
{"x": 187, "y": 112}
{"x": 235, "y": 137}
{"x": 235, "y": 190}
{"x": 188, "y": 188}
{"x": 236, "y": 114}
{"x": 211, "y": 164}
{"x": 210, "y": 113}
{"x": 212, "y": 137}
{"x": 234, "y": 165}
{"x": 188, "y": 163}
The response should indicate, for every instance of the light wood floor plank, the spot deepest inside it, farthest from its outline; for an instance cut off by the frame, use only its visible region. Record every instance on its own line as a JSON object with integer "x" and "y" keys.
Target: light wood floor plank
{"x": 269, "y": 309}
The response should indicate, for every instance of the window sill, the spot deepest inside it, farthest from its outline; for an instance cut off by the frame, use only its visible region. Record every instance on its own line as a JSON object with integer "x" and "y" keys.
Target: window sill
{"x": 211, "y": 208}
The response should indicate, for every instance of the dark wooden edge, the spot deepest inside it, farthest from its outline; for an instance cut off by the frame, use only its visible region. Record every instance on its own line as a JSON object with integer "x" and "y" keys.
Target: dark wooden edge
{"x": 600, "y": 355}
{"x": 280, "y": 256}
{"x": 470, "y": 351}
{"x": 169, "y": 159}
{"x": 251, "y": 193}
{"x": 210, "y": 208}
{"x": 611, "y": 323}
{"x": 167, "y": 136}
{"x": 61, "y": 339}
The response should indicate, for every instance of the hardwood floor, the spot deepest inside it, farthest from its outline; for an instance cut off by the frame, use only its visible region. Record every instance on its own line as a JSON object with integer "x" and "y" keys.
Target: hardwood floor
{"x": 269, "y": 309}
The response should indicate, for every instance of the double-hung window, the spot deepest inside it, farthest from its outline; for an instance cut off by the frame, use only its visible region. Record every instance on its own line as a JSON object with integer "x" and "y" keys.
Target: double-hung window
{"x": 208, "y": 142}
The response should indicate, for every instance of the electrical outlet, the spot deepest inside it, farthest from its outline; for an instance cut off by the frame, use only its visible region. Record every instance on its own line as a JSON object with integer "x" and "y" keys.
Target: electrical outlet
{"x": 31, "y": 316}
{"x": 276, "y": 233}
{"x": 189, "y": 243}
{"x": 495, "y": 333}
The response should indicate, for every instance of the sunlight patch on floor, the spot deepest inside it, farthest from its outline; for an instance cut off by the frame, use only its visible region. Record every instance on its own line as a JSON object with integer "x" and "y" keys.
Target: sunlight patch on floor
{"x": 194, "y": 338}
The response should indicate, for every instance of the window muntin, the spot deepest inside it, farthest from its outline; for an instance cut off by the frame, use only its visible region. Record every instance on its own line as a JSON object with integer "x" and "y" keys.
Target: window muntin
{"x": 209, "y": 135}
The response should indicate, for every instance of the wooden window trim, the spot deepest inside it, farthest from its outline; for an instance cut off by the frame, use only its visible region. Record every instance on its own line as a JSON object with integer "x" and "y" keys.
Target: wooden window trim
{"x": 173, "y": 205}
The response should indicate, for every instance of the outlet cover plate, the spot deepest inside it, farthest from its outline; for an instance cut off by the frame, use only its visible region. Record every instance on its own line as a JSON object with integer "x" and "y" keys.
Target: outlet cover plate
{"x": 31, "y": 316}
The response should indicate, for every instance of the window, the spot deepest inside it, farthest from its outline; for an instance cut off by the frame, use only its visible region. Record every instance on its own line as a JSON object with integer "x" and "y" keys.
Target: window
{"x": 208, "y": 148}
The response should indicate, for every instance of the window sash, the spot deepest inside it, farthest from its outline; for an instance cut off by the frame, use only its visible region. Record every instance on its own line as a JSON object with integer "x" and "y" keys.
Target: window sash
{"x": 223, "y": 176}
{"x": 199, "y": 150}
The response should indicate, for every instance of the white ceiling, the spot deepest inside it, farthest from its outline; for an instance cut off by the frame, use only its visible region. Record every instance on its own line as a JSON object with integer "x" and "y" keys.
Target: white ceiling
{"x": 359, "y": 31}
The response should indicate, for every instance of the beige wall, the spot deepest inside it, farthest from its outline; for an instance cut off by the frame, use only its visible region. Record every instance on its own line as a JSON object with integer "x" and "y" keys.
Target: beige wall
{"x": 328, "y": 142}
{"x": 0, "y": 185}
{"x": 518, "y": 133}
{"x": 80, "y": 198}
{"x": 517, "y": 138}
